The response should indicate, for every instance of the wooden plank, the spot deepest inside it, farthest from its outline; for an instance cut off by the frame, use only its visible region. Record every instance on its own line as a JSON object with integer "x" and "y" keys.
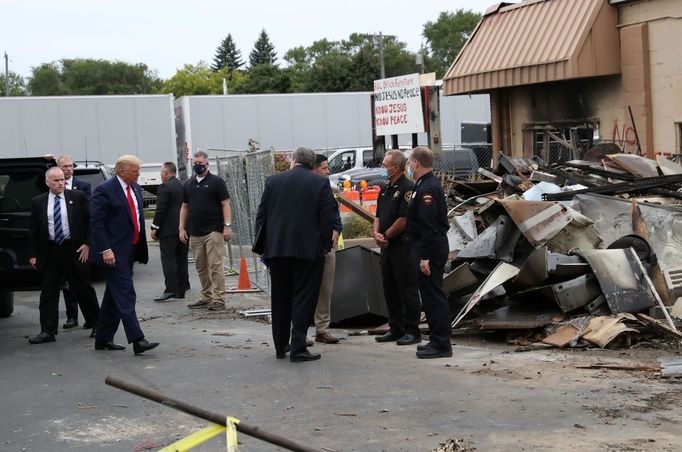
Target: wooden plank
{"x": 659, "y": 327}
{"x": 562, "y": 337}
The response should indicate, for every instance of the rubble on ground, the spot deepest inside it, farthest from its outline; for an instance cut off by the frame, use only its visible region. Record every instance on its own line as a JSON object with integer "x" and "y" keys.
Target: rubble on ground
{"x": 580, "y": 253}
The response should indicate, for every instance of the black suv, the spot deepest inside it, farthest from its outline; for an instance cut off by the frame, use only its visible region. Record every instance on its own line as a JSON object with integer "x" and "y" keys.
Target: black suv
{"x": 21, "y": 179}
{"x": 92, "y": 172}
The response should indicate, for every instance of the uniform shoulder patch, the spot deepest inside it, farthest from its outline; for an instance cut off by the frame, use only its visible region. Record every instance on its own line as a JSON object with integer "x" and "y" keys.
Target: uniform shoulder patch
{"x": 427, "y": 199}
{"x": 408, "y": 195}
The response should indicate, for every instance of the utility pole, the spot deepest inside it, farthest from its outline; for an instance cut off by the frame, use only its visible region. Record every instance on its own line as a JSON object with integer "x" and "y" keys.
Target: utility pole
{"x": 6, "y": 75}
{"x": 378, "y": 41}
{"x": 419, "y": 59}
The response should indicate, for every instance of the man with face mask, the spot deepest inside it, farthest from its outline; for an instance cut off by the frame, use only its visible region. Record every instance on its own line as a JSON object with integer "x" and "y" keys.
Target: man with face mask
{"x": 397, "y": 261}
{"x": 206, "y": 204}
{"x": 427, "y": 226}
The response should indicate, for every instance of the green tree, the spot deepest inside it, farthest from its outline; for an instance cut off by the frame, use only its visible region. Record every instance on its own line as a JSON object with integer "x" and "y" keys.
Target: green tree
{"x": 263, "y": 51}
{"x": 227, "y": 55}
{"x": 92, "y": 77}
{"x": 201, "y": 79}
{"x": 264, "y": 79}
{"x": 46, "y": 80}
{"x": 17, "y": 87}
{"x": 447, "y": 35}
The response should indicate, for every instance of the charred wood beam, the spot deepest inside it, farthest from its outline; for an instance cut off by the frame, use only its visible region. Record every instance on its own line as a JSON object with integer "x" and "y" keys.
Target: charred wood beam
{"x": 640, "y": 186}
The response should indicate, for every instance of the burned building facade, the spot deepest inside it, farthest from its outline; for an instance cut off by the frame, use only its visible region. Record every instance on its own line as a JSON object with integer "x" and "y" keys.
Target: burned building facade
{"x": 564, "y": 74}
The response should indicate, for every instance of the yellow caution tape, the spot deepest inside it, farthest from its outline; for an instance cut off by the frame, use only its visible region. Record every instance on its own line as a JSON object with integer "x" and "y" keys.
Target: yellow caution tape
{"x": 195, "y": 439}
{"x": 231, "y": 434}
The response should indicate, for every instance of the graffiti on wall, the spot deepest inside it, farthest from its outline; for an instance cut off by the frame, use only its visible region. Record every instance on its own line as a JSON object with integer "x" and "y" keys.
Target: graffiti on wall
{"x": 624, "y": 136}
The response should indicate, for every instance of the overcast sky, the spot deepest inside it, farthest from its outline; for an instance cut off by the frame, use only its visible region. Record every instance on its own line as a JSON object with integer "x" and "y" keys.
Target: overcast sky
{"x": 168, "y": 34}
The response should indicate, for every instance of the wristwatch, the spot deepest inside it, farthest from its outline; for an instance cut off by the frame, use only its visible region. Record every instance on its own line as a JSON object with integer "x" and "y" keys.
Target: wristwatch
{"x": 228, "y": 225}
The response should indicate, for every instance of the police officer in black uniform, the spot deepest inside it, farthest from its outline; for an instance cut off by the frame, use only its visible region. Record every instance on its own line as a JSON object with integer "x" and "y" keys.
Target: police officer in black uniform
{"x": 427, "y": 225}
{"x": 397, "y": 257}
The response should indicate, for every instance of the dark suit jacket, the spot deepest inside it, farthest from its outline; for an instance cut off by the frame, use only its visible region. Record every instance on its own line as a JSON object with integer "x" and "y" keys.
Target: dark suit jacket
{"x": 78, "y": 213}
{"x": 112, "y": 225}
{"x": 168, "y": 203}
{"x": 77, "y": 184}
{"x": 296, "y": 212}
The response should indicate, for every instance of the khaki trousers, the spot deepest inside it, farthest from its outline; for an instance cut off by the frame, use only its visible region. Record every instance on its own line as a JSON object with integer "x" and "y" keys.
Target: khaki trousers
{"x": 324, "y": 301}
{"x": 209, "y": 254}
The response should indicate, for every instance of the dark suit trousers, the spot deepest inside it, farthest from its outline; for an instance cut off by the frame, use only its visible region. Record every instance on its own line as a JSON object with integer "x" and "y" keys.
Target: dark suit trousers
{"x": 399, "y": 274}
{"x": 118, "y": 304}
{"x": 295, "y": 288}
{"x": 174, "y": 264}
{"x": 71, "y": 303}
{"x": 434, "y": 301}
{"x": 61, "y": 264}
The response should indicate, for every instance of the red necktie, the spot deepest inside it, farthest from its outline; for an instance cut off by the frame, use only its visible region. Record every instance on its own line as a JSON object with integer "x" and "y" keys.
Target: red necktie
{"x": 133, "y": 213}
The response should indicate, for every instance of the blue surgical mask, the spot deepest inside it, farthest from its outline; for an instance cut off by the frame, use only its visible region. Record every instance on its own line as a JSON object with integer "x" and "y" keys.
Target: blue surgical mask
{"x": 199, "y": 168}
{"x": 383, "y": 173}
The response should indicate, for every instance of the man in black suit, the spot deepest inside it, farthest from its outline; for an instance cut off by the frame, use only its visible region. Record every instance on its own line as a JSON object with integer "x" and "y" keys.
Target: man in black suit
{"x": 165, "y": 230}
{"x": 118, "y": 240}
{"x": 65, "y": 162}
{"x": 59, "y": 250}
{"x": 295, "y": 211}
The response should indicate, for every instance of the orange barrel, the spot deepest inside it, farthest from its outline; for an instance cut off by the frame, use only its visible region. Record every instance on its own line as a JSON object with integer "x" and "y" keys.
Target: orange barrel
{"x": 351, "y": 195}
{"x": 369, "y": 198}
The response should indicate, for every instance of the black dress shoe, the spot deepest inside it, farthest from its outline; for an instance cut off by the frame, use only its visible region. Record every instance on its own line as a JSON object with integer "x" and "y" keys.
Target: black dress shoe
{"x": 141, "y": 346}
{"x": 409, "y": 339}
{"x": 388, "y": 337}
{"x": 93, "y": 333}
{"x": 305, "y": 356}
{"x": 179, "y": 296}
{"x": 165, "y": 296}
{"x": 283, "y": 354}
{"x": 431, "y": 353}
{"x": 424, "y": 346}
{"x": 103, "y": 345}
{"x": 70, "y": 323}
{"x": 88, "y": 325}
{"x": 42, "y": 338}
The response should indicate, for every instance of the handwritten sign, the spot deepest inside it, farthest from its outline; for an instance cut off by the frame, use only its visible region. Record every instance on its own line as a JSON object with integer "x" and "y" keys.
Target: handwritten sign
{"x": 398, "y": 105}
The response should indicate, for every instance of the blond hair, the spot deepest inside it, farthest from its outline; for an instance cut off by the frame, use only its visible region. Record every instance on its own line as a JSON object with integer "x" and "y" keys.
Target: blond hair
{"x": 125, "y": 160}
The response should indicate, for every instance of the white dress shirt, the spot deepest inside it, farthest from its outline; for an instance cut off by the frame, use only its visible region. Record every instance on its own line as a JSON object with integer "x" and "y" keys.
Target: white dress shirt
{"x": 50, "y": 216}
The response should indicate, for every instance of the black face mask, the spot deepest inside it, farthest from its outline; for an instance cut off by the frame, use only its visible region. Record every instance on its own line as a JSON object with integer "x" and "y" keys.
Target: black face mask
{"x": 199, "y": 168}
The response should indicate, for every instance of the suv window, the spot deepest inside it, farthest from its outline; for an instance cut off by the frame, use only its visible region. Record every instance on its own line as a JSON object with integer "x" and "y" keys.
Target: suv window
{"x": 342, "y": 162}
{"x": 93, "y": 176}
{"x": 18, "y": 188}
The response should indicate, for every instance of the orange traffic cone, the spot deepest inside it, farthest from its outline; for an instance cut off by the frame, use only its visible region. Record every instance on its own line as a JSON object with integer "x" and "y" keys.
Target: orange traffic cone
{"x": 243, "y": 283}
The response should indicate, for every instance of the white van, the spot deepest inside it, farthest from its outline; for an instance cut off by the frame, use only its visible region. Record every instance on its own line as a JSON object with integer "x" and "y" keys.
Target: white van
{"x": 348, "y": 159}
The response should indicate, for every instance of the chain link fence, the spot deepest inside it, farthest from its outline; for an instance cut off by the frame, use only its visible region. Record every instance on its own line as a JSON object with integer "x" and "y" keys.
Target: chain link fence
{"x": 245, "y": 175}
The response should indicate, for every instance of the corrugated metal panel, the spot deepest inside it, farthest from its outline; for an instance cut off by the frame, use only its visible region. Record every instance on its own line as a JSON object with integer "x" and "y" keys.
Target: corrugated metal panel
{"x": 531, "y": 42}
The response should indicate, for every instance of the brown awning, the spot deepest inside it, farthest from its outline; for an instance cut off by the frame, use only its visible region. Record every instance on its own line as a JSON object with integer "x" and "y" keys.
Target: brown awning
{"x": 537, "y": 41}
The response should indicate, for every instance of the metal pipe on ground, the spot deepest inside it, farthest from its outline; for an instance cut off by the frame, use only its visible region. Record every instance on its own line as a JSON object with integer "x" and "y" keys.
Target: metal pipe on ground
{"x": 210, "y": 416}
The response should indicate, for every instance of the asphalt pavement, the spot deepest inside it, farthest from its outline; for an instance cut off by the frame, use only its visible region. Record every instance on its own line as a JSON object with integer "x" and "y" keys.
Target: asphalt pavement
{"x": 360, "y": 396}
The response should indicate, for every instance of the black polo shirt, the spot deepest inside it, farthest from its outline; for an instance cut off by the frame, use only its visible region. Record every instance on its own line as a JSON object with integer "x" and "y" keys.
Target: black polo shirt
{"x": 204, "y": 201}
{"x": 393, "y": 203}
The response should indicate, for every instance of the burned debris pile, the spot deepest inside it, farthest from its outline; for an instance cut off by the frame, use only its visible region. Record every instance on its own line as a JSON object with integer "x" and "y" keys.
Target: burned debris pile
{"x": 582, "y": 253}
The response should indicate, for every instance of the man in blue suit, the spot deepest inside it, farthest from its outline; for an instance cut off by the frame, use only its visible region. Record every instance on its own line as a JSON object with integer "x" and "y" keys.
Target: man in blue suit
{"x": 65, "y": 162}
{"x": 118, "y": 239}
